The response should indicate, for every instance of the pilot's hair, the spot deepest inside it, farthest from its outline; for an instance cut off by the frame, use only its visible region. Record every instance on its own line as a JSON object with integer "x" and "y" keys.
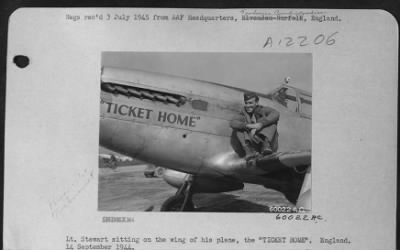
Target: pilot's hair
{"x": 250, "y": 95}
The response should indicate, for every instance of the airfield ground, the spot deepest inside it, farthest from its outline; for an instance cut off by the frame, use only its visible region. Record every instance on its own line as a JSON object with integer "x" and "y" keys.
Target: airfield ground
{"x": 127, "y": 189}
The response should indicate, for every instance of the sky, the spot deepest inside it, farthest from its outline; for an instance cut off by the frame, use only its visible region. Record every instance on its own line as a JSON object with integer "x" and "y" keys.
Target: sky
{"x": 260, "y": 72}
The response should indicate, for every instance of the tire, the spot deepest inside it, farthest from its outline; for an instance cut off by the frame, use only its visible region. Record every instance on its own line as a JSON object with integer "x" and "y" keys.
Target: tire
{"x": 159, "y": 171}
{"x": 174, "y": 204}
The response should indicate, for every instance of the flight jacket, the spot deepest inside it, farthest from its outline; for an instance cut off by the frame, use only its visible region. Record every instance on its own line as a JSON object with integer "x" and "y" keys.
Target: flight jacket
{"x": 264, "y": 115}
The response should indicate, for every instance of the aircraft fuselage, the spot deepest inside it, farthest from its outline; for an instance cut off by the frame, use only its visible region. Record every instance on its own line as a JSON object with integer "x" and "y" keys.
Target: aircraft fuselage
{"x": 183, "y": 124}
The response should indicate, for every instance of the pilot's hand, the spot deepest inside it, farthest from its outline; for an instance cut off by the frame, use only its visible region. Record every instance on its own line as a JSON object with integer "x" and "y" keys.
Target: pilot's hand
{"x": 256, "y": 126}
{"x": 250, "y": 126}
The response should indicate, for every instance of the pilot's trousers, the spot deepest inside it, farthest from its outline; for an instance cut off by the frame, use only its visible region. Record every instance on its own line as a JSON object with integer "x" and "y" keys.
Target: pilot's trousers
{"x": 268, "y": 134}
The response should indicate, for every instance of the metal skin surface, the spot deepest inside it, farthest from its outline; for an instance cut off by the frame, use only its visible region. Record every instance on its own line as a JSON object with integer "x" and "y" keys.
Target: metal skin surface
{"x": 203, "y": 184}
{"x": 188, "y": 138}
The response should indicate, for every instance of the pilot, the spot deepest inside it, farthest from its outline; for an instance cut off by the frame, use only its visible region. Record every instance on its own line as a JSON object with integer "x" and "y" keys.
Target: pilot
{"x": 256, "y": 127}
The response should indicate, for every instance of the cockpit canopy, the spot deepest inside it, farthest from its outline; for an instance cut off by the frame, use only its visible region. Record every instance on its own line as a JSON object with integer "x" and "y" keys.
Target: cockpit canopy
{"x": 295, "y": 100}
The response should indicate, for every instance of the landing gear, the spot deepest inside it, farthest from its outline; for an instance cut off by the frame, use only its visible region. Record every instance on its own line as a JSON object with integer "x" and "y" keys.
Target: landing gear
{"x": 176, "y": 203}
{"x": 182, "y": 200}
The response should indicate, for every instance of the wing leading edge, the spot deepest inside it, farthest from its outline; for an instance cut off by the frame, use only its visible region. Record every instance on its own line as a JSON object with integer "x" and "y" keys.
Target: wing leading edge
{"x": 293, "y": 179}
{"x": 287, "y": 159}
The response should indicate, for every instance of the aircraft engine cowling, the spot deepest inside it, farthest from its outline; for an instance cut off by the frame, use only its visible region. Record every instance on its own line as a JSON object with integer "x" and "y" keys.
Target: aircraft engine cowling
{"x": 202, "y": 184}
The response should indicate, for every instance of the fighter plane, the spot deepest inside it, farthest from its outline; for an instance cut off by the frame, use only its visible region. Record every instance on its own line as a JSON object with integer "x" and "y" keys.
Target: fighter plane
{"x": 183, "y": 125}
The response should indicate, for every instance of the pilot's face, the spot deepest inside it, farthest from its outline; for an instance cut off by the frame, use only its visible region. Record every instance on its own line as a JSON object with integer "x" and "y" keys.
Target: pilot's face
{"x": 250, "y": 105}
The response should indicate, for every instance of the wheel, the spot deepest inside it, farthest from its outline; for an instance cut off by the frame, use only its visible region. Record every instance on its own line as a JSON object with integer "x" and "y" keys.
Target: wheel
{"x": 149, "y": 171}
{"x": 174, "y": 204}
{"x": 159, "y": 171}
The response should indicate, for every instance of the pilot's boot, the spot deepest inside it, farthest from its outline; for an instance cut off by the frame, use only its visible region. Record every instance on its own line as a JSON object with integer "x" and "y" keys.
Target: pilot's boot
{"x": 266, "y": 148}
{"x": 249, "y": 151}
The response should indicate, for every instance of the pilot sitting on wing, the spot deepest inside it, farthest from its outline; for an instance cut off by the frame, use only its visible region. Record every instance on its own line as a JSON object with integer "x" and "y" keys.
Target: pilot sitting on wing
{"x": 256, "y": 127}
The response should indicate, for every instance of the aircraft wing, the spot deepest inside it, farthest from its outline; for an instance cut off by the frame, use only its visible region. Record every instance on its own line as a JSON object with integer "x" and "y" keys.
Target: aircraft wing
{"x": 287, "y": 159}
{"x": 283, "y": 171}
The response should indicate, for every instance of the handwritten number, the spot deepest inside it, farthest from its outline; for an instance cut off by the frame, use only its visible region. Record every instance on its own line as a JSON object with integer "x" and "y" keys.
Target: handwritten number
{"x": 289, "y": 42}
{"x": 303, "y": 41}
{"x": 319, "y": 39}
{"x": 330, "y": 40}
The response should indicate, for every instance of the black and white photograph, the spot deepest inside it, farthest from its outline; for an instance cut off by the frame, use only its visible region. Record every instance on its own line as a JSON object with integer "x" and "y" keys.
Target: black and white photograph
{"x": 190, "y": 128}
{"x": 207, "y": 132}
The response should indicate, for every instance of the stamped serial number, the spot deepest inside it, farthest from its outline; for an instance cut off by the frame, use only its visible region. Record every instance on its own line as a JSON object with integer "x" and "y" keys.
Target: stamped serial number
{"x": 286, "y": 209}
